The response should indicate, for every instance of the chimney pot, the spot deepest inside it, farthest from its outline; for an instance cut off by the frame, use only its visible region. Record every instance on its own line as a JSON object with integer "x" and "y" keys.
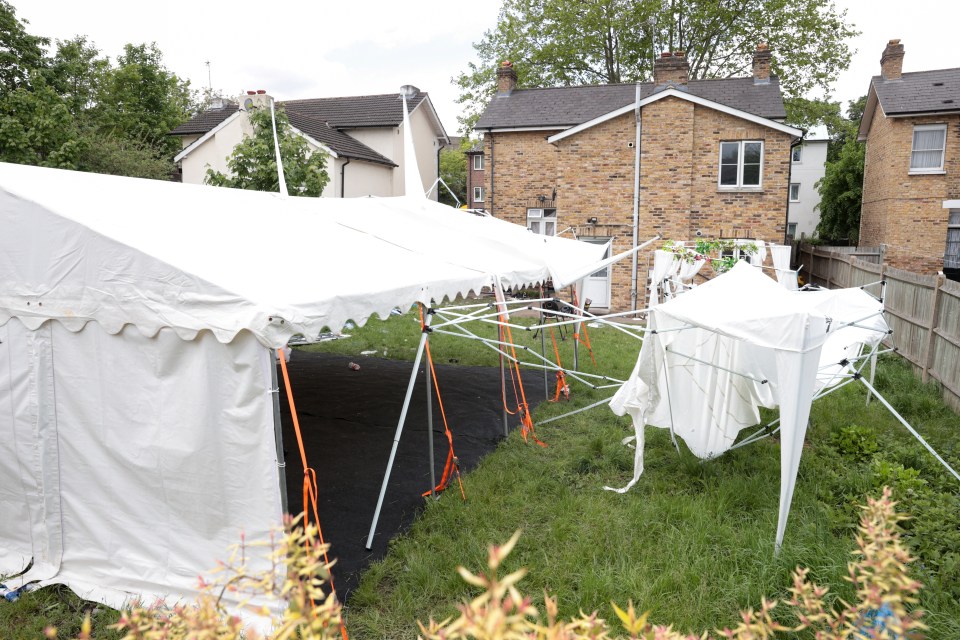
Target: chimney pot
{"x": 506, "y": 78}
{"x": 671, "y": 68}
{"x": 261, "y": 92}
{"x": 891, "y": 62}
{"x": 761, "y": 64}
{"x": 251, "y": 93}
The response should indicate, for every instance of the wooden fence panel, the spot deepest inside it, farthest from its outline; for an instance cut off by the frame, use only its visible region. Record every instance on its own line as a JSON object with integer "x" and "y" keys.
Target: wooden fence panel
{"x": 944, "y": 363}
{"x": 908, "y": 300}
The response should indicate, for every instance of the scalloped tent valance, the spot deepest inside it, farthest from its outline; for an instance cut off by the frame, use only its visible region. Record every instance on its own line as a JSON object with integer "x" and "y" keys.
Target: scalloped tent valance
{"x": 79, "y": 247}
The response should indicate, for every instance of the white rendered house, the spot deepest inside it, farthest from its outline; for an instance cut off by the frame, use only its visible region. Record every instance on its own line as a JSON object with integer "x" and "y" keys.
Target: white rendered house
{"x": 362, "y": 136}
{"x": 807, "y": 165}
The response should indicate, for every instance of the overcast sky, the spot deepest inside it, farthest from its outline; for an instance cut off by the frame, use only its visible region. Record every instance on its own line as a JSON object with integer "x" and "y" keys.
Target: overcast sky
{"x": 358, "y": 47}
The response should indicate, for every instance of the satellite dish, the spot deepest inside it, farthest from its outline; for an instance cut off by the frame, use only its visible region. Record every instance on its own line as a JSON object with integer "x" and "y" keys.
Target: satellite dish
{"x": 248, "y": 104}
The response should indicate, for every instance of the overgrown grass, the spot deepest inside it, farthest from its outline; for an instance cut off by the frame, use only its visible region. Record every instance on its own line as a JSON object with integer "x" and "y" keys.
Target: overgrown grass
{"x": 692, "y": 542}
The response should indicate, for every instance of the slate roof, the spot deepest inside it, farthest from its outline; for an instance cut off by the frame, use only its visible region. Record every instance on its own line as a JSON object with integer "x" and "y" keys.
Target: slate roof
{"x": 919, "y": 92}
{"x": 322, "y": 119}
{"x": 356, "y": 111}
{"x": 564, "y": 107}
{"x": 341, "y": 143}
{"x": 205, "y": 121}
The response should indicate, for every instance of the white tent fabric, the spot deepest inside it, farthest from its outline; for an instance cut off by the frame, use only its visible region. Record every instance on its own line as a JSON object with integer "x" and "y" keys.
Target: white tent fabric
{"x": 130, "y": 464}
{"x": 718, "y": 353}
{"x": 229, "y": 260}
{"x": 136, "y": 318}
{"x": 781, "y": 262}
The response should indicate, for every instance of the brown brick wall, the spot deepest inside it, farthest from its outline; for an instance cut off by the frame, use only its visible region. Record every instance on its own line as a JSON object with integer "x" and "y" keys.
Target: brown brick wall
{"x": 475, "y": 179}
{"x": 593, "y": 173}
{"x": 901, "y": 211}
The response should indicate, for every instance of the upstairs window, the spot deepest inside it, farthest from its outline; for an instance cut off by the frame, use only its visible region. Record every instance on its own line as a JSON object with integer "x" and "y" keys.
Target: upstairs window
{"x": 478, "y": 162}
{"x": 929, "y": 141}
{"x": 797, "y": 154}
{"x": 542, "y": 221}
{"x": 795, "y": 192}
{"x": 741, "y": 164}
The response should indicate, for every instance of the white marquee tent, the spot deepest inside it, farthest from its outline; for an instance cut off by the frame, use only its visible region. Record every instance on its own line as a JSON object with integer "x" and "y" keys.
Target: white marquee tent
{"x": 137, "y": 323}
{"x": 717, "y": 353}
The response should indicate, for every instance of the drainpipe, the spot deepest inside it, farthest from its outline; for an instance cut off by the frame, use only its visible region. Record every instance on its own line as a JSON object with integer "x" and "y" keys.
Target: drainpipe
{"x": 490, "y": 133}
{"x": 439, "y": 149}
{"x": 636, "y": 208}
{"x": 342, "y": 168}
{"x": 786, "y": 224}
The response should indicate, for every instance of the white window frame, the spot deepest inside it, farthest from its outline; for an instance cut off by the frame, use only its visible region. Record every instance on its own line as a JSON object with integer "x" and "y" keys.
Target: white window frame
{"x": 478, "y": 162}
{"x": 541, "y": 216}
{"x": 943, "y": 149}
{"x": 794, "y": 233}
{"x": 792, "y": 198}
{"x": 798, "y": 152}
{"x": 952, "y": 260}
{"x": 740, "y": 186}
{"x": 478, "y": 194}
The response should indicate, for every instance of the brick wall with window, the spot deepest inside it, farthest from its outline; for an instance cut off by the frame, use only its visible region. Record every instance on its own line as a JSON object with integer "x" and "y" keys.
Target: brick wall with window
{"x": 593, "y": 174}
{"x": 912, "y": 165}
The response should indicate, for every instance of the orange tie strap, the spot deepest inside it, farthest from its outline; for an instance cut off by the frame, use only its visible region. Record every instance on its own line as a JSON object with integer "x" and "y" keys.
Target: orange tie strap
{"x": 452, "y": 465}
{"x": 586, "y": 336}
{"x": 309, "y": 479}
{"x": 563, "y": 389}
{"x": 526, "y": 422}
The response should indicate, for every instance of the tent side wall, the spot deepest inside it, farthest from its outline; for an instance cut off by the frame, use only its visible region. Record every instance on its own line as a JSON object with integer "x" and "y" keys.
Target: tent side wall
{"x": 137, "y": 461}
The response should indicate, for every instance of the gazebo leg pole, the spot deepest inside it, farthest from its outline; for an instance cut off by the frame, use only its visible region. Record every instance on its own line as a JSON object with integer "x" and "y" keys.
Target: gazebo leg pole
{"x": 278, "y": 432}
{"x": 429, "y": 375}
{"x": 396, "y": 437}
{"x": 503, "y": 384}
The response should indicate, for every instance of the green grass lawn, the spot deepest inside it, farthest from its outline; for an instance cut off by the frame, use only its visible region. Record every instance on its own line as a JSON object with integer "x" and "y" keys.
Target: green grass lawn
{"x": 692, "y": 542}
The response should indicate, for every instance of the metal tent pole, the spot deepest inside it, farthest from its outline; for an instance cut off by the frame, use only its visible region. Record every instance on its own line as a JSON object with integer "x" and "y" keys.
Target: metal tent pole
{"x": 503, "y": 384}
{"x": 399, "y": 432}
{"x": 429, "y": 375}
{"x": 543, "y": 354}
{"x": 278, "y": 432}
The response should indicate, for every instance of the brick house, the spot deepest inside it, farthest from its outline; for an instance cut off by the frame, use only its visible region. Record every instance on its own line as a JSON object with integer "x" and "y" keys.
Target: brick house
{"x": 684, "y": 158}
{"x": 361, "y": 135}
{"x": 476, "y": 191}
{"x": 911, "y": 175}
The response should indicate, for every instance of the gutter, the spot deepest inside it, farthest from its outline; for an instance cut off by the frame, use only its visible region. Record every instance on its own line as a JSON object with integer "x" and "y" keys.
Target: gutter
{"x": 636, "y": 207}
{"x": 342, "y": 169}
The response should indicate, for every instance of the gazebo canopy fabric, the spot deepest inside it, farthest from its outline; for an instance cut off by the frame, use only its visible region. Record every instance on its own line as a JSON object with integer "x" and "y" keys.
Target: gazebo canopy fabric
{"x": 716, "y": 354}
{"x": 158, "y": 254}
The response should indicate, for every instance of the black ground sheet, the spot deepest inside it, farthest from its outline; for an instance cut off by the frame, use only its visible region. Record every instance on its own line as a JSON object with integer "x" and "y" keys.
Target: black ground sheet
{"x": 348, "y": 419}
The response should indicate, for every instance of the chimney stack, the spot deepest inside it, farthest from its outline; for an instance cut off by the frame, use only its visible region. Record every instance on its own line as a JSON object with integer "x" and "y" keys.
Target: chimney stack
{"x": 671, "y": 68}
{"x": 506, "y": 78}
{"x": 761, "y": 64}
{"x": 891, "y": 62}
{"x": 255, "y": 100}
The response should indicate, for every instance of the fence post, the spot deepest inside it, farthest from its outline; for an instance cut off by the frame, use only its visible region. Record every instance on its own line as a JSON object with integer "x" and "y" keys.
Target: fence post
{"x": 928, "y": 348}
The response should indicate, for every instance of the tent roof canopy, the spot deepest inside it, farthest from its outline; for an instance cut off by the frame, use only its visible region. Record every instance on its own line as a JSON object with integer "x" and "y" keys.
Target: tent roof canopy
{"x": 78, "y": 247}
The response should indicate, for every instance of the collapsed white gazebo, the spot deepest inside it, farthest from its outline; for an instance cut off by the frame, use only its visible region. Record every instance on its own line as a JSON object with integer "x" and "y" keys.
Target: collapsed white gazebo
{"x": 716, "y": 354}
{"x": 138, "y": 326}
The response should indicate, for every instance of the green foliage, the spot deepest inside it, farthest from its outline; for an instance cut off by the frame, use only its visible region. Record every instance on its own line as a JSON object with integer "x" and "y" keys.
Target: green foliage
{"x": 20, "y": 53}
{"x": 36, "y": 127}
{"x": 253, "y": 163}
{"x": 563, "y": 42}
{"x": 141, "y": 100}
{"x": 77, "y": 73}
{"x": 855, "y": 442}
{"x": 453, "y": 170}
{"x": 841, "y": 194}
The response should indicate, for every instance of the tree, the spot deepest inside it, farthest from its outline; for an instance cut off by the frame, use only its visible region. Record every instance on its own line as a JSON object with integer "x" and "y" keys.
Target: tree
{"x": 141, "y": 100}
{"x": 21, "y": 54}
{"x": 567, "y": 42}
{"x": 36, "y": 127}
{"x": 253, "y": 164}
{"x": 77, "y": 72}
{"x": 453, "y": 171}
{"x": 841, "y": 188}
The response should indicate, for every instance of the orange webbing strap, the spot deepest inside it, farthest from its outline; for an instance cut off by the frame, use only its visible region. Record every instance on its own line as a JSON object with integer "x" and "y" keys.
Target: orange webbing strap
{"x": 523, "y": 408}
{"x": 309, "y": 476}
{"x": 452, "y": 466}
{"x": 586, "y": 336}
{"x": 562, "y": 387}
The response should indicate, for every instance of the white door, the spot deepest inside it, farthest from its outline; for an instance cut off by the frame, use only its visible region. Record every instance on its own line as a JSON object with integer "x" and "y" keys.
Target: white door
{"x": 596, "y": 286}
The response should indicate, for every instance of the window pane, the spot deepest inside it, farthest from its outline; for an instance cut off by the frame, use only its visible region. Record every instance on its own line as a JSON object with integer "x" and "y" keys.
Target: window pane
{"x": 796, "y": 153}
{"x": 954, "y": 219}
{"x": 549, "y": 228}
{"x": 535, "y": 226}
{"x": 928, "y": 139}
{"x": 926, "y": 160}
{"x": 795, "y": 192}
{"x": 729, "y": 151}
{"x": 751, "y": 175}
{"x": 728, "y": 174}
{"x": 751, "y": 152}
